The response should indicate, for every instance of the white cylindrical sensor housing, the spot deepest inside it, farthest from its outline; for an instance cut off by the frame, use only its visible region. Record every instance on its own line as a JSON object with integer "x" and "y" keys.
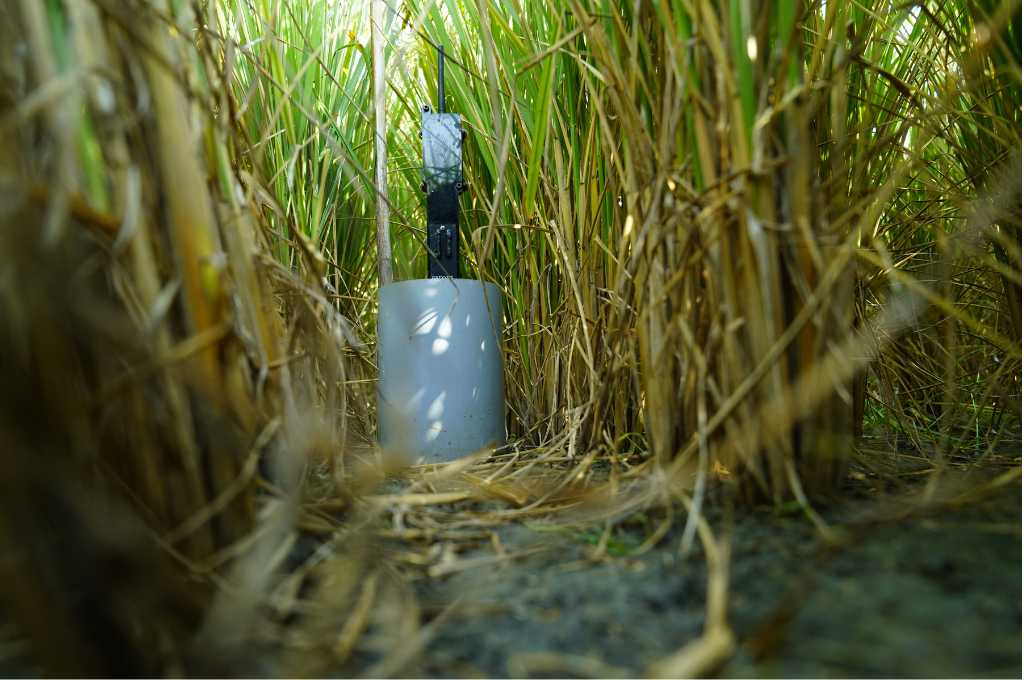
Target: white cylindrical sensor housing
{"x": 441, "y": 392}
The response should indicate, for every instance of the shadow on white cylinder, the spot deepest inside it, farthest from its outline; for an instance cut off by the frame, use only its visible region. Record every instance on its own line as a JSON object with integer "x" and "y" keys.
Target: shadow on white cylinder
{"x": 441, "y": 392}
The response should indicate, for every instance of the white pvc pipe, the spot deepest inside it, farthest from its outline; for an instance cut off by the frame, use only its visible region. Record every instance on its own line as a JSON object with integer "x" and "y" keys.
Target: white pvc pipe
{"x": 441, "y": 392}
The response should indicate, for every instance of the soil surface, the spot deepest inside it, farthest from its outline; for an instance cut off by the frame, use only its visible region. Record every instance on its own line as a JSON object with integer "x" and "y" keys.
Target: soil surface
{"x": 910, "y": 589}
{"x": 927, "y": 593}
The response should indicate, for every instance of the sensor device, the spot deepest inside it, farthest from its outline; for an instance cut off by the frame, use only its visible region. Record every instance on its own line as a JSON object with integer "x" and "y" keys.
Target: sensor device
{"x": 441, "y": 392}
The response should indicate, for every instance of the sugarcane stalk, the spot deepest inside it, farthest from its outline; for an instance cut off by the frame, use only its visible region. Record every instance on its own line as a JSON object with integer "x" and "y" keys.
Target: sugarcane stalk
{"x": 384, "y": 268}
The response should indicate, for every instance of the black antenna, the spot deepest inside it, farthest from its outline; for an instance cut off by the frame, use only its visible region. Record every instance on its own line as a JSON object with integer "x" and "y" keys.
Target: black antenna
{"x": 440, "y": 79}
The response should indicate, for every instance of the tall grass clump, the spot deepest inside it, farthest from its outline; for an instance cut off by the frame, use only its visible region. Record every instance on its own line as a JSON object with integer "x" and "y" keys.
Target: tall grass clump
{"x": 167, "y": 382}
{"x": 727, "y": 234}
